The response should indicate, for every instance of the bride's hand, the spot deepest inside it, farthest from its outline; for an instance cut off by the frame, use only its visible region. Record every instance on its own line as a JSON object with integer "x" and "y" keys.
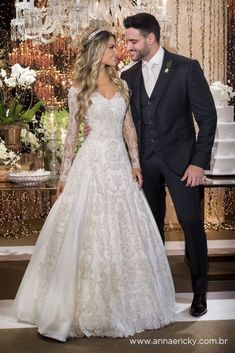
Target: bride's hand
{"x": 137, "y": 176}
{"x": 87, "y": 130}
{"x": 59, "y": 188}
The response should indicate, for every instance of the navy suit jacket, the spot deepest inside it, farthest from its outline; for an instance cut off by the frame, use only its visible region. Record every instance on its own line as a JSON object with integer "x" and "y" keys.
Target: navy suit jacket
{"x": 180, "y": 93}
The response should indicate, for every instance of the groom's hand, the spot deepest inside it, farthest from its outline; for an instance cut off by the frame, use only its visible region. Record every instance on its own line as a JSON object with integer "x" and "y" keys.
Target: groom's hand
{"x": 87, "y": 130}
{"x": 193, "y": 175}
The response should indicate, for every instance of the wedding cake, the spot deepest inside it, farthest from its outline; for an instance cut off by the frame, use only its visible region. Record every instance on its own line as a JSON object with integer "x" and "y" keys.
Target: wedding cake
{"x": 223, "y": 152}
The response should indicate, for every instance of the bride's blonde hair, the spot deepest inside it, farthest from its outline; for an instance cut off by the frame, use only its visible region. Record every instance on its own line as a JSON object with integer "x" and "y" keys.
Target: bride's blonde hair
{"x": 87, "y": 66}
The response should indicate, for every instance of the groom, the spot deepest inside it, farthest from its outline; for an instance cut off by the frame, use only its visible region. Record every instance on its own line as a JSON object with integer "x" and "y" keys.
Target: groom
{"x": 166, "y": 91}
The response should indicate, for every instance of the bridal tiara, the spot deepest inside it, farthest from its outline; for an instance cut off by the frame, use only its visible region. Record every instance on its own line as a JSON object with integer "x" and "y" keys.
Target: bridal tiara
{"x": 93, "y": 34}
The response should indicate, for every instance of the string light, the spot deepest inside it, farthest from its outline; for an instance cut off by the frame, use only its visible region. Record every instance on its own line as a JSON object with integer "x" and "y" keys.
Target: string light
{"x": 220, "y": 208}
{"x": 190, "y": 26}
{"x": 22, "y": 209}
{"x": 231, "y": 43}
{"x": 177, "y": 27}
{"x": 203, "y": 17}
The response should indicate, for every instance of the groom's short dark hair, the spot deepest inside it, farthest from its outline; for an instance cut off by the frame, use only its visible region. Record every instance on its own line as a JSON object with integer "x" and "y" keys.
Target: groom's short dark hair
{"x": 145, "y": 22}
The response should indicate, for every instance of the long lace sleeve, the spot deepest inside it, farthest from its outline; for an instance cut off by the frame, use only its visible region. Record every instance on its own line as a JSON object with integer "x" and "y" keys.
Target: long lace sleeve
{"x": 71, "y": 136}
{"x": 130, "y": 137}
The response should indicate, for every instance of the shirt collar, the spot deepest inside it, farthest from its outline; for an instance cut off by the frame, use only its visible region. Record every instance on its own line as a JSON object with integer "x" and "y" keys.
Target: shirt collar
{"x": 156, "y": 59}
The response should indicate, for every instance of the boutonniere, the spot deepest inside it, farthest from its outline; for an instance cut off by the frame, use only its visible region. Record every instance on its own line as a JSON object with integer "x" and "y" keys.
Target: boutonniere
{"x": 168, "y": 66}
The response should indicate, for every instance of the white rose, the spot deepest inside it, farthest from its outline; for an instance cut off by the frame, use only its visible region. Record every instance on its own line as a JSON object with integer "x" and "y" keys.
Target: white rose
{"x": 16, "y": 70}
{"x": 3, "y": 73}
{"x": 10, "y": 82}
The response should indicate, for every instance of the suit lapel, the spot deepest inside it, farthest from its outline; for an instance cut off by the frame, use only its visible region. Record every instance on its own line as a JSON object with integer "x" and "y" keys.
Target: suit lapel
{"x": 162, "y": 83}
{"x": 164, "y": 79}
{"x": 136, "y": 84}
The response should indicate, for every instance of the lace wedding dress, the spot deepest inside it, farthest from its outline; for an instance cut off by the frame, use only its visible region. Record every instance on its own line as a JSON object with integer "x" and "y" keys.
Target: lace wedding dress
{"x": 99, "y": 267}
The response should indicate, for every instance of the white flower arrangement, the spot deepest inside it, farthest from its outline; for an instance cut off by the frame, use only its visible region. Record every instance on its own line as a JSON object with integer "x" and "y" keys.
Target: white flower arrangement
{"x": 21, "y": 77}
{"x": 9, "y": 158}
{"x": 221, "y": 93}
{"x": 30, "y": 139}
{"x": 59, "y": 129}
{"x": 13, "y": 91}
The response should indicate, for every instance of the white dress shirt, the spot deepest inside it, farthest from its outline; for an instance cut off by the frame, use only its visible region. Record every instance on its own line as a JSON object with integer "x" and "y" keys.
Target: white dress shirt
{"x": 151, "y": 70}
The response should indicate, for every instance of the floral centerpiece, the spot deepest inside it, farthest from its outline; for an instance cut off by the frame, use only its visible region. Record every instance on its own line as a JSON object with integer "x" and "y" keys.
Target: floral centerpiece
{"x": 16, "y": 95}
{"x": 30, "y": 140}
{"x": 221, "y": 93}
{"x": 56, "y": 122}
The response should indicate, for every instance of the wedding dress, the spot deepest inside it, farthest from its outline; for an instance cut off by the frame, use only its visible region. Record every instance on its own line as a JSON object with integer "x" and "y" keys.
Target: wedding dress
{"x": 99, "y": 267}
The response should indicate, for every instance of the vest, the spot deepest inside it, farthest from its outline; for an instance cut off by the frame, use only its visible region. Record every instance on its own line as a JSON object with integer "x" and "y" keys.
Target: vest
{"x": 148, "y": 138}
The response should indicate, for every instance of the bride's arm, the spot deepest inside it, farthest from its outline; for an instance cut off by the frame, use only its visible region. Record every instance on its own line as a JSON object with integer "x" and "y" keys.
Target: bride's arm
{"x": 130, "y": 137}
{"x": 71, "y": 136}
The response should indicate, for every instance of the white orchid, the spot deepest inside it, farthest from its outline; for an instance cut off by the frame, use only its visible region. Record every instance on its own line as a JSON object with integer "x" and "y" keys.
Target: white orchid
{"x": 10, "y": 82}
{"x": 22, "y": 76}
{"x": 29, "y": 138}
{"x": 27, "y": 78}
{"x": 3, "y": 73}
{"x": 16, "y": 70}
{"x": 14, "y": 103}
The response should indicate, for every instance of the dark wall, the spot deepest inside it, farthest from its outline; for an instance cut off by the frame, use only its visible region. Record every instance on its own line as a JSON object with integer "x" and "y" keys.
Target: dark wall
{"x": 7, "y": 12}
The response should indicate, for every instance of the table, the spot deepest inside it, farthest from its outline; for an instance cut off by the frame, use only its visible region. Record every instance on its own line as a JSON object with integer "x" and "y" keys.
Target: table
{"x": 23, "y": 210}
{"x": 227, "y": 182}
{"x": 226, "y": 204}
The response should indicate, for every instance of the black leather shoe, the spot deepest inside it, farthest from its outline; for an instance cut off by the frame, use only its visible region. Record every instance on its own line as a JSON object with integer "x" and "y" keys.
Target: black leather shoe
{"x": 198, "y": 307}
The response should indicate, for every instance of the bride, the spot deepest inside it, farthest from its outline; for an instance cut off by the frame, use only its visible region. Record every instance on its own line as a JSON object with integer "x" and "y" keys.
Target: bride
{"x": 99, "y": 267}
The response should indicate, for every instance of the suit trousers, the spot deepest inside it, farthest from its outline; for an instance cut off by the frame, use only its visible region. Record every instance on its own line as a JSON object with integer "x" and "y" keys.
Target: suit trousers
{"x": 187, "y": 203}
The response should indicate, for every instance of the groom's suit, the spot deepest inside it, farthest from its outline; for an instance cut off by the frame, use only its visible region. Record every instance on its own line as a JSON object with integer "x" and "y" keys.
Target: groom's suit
{"x": 168, "y": 145}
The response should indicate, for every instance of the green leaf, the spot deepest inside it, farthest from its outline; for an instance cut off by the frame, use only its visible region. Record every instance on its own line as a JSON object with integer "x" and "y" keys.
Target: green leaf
{"x": 8, "y": 120}
{"x": 2, "y": 111}
{"x": 12, "y": 108}
{"x": 12, "y": 105}
{"x": 29, "y": 114}
{"x": 169, "y": 64}
{"x": 18, "y": 110}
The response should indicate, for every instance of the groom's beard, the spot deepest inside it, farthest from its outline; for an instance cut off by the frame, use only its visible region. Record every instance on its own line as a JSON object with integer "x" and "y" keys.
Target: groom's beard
{"x": 137, "y": 55}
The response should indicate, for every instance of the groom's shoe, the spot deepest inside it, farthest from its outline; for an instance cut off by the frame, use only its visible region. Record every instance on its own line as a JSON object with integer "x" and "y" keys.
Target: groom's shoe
{"x": 198, "y": 307}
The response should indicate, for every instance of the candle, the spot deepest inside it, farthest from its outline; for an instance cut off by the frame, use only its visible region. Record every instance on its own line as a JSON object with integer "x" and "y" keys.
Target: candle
{"x": 63, "y": 135}
{"x": 51, "y": 124}
{"x": 164, "y": 7}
